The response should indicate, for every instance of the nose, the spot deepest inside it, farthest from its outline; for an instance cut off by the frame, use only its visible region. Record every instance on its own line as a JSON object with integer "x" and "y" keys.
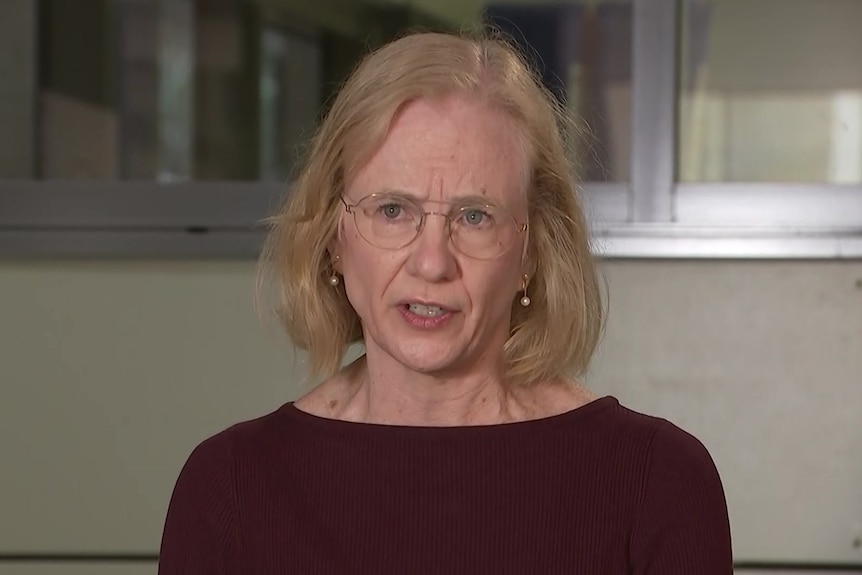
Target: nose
{"x": 432, "y": 258}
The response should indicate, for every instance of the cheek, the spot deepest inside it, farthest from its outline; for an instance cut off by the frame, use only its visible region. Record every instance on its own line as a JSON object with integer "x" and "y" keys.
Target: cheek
{"x": 367, "y": 271}
{"x": 357, "y": 285}
{"x": 495, "y": 288}
{"x": 353, "y": 247}
{"x": 346, "y": 231}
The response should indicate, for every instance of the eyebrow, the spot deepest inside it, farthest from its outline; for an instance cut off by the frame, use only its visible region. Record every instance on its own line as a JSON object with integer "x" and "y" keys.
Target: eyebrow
{"x": 463, "y": 200}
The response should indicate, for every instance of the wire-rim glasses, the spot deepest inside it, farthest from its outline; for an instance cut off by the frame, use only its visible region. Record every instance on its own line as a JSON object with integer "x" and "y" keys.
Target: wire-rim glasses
{"x": 392, "y": 221}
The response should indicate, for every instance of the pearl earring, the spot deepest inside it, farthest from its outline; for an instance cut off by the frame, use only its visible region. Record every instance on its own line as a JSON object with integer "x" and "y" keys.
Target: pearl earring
{"x": 525, "y": 299}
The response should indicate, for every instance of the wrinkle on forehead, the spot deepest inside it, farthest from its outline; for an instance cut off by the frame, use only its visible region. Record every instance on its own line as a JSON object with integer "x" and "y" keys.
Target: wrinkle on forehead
{"x": 435, "y": 151}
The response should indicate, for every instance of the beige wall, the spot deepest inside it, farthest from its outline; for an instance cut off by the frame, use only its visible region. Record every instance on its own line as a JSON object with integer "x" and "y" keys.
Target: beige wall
{"x": 763, "y": 362}
{"x": 111, "y": 372}
{"x": 78, "y": 568}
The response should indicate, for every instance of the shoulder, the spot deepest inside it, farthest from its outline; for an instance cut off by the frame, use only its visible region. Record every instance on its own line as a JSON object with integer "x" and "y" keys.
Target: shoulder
{"x": 670, "y": 453}
{"x": 673, "y": 447}
{"x": 655, "y": 433}
{"x": 201, "y": 532}
{"x": 236, "y": 448}
{"x": 611, "y": 421}
{"x": 651, "y": 457}
{"x": 682, "y": 521}
{"x": 670, "y": 448}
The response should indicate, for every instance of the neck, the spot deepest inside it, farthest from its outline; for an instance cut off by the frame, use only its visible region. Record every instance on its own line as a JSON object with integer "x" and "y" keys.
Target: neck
{"x": 388, "y": 396}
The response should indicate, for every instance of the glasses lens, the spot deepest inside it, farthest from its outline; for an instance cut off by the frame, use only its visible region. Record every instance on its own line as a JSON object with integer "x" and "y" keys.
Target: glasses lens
{"x": 386, "y": 221}
{"x": 483, "y": 232}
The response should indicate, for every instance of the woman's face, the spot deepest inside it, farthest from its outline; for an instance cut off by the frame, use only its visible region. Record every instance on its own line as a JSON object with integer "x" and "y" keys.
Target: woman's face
{"x": 426, "y": 307}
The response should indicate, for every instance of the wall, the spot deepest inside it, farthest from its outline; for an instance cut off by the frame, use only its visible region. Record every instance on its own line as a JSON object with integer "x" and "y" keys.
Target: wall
{"x": 111, "y": 372}
{"x": 762, "y": 361}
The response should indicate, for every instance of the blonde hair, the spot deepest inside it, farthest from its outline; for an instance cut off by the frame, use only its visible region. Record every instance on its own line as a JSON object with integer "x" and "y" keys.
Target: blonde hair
{"x": 557, "y": 334}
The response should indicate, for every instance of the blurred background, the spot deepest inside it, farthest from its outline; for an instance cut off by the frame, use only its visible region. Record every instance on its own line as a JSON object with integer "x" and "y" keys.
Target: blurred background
{"x": 141, "y": 142}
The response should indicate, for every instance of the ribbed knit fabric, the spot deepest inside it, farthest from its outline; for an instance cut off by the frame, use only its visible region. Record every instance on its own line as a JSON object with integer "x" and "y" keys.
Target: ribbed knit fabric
{"x": 597, "y": 490}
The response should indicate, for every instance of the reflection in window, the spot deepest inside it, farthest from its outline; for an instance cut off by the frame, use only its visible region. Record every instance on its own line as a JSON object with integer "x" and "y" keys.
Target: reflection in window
{"x": 173, "y": 90}
{"x": 184, "y": 89}
{"x": 290, "y": 97}
{"x": 584, "y": 53}
{"x": 771, "y": 91}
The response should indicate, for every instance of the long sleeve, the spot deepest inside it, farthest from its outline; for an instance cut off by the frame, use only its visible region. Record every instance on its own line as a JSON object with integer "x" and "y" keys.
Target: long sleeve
{"x": 201, "y": 533}
{"x": 682, "y": 526}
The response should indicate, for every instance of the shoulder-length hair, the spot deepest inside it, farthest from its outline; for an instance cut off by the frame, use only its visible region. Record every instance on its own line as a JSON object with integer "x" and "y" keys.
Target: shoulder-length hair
{"x": 558, "y": 333}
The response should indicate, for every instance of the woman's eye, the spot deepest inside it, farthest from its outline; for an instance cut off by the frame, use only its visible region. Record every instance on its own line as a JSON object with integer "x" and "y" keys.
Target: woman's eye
{"x": 391, "y": 211}
{"x": 474, "y": 217}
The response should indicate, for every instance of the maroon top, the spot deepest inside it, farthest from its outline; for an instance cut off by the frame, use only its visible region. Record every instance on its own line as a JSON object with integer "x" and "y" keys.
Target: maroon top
{"x": 598, "y": 490}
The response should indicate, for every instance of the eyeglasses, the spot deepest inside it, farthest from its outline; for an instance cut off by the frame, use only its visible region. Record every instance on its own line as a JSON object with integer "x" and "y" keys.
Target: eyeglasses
{"x": 393, "y": 221}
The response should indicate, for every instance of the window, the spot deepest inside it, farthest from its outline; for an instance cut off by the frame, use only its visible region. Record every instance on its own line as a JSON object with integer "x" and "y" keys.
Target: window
{"x": 771, "y": 91}
{"x": 744, "y": 131}
{"x": 165, "y": 91}
{"x": 717, "y": 128}
{"x": 178, "y": 90}
{"x": 584, "y": 54}
{"x": 769, "y": 127}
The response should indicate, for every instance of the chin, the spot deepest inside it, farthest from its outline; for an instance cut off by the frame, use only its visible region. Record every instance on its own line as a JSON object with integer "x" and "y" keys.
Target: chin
{"x": 424, "y": 357}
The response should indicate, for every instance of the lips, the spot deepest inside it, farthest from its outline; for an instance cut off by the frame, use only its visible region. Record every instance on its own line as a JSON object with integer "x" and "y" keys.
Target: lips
{"x": 425, "y": 308}
{"x": 425, "y": 315}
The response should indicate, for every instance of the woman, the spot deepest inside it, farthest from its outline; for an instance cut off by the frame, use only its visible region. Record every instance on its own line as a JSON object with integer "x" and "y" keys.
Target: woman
{"x": 435, "y": 221}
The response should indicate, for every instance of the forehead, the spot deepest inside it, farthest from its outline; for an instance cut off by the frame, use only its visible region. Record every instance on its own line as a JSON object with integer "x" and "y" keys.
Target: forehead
{"x": 446, "y": 149}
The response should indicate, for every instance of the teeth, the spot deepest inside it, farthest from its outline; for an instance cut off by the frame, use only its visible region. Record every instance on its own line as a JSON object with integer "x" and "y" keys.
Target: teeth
{"x": 426, "y": 310}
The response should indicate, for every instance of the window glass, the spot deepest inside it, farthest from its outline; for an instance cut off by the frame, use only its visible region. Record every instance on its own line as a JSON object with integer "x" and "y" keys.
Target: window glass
{"x": 771, "y": 91}
{"x": 176, "y": 90}
{"x": 583, "y": 50}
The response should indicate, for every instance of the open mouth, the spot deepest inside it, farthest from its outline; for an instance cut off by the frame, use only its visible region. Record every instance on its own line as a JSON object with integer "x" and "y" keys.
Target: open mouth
{"x": 425, "y": 310}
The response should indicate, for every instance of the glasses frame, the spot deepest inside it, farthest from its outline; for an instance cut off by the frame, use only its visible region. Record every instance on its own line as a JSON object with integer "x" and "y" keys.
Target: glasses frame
{"x": 520, "y": 227}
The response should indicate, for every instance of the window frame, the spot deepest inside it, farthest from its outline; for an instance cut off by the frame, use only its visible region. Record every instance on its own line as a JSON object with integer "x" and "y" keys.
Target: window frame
{"x": 671, "y": 219}
{"x": 651, "y": 216}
